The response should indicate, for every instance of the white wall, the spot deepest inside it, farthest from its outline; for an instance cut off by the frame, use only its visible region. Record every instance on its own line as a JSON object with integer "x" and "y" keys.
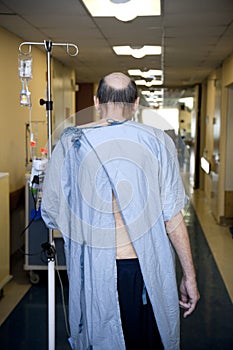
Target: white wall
{"x": 229, "y": 143}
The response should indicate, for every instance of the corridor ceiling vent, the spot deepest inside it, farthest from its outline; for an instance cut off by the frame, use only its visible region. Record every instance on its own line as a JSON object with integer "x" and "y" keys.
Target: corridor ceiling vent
{"x": 138, "y": 52}
{"x": 123, "y": 10}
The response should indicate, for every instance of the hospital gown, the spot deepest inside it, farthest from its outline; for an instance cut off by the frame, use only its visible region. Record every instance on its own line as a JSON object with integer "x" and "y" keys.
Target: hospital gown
{"x": 138, "y": 165}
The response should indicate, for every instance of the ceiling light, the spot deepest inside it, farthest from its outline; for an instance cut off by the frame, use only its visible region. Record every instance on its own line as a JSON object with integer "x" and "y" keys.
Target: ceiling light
{"x": 151, "y": 99}
{"x": 145, "y": 74}
{"x": 148, "y": 83}
{"x": 154, "y": 99}
{"x": 122, "y": 9}
{"x": 137, "y": 53}
{"x": 152, "y": 93}
{"x": 156, "y": 105}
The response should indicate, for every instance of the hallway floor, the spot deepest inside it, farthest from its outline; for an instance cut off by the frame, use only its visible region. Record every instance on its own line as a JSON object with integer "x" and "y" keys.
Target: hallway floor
{"x": 23, "y": 307}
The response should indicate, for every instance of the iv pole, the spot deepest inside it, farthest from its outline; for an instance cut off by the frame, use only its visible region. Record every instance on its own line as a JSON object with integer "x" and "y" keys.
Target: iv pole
{"x": 49, "y": 107}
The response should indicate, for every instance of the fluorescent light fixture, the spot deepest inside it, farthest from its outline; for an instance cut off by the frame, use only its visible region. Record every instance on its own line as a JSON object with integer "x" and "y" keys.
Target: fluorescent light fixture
{"x": 152, "y": 93}
{"x": 158, "y": 93}
{"x": 148, "y": 83}
{"x": 138, "y": 53}
{"x": 154, "y": 99}
{"x": 151, "y": 99}
{"x": 146, "y": 92}
{"x": 155, "y": 104}
{"x": 205, "y": 165}
{"x": 122, "y": 9}
{"x": 145, "y": 74}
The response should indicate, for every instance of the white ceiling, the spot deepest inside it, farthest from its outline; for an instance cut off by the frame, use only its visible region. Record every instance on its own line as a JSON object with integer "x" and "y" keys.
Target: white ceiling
{"x": 196, "y": 35}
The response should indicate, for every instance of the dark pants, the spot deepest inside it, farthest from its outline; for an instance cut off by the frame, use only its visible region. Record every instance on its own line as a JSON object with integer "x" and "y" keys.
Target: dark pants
{"x": 138, "y": 322}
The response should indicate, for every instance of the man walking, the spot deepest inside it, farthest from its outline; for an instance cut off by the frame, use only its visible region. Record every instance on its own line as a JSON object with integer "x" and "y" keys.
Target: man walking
{"x": 114, "y": 191}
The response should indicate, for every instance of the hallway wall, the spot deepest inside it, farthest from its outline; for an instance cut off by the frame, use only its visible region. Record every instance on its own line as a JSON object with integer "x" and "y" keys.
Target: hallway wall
{"x": 13, "y": 116}
{"x": 63, "y": 87}
{"x": 216, "y": 147}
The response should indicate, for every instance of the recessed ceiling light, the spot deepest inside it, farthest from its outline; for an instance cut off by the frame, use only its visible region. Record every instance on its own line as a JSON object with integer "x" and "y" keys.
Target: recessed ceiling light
{"x": 145, "y": 74}
{"x": 152, "y": 93}
{"x": 138, "y": 53}
{"x": 124, "y": 10}
{"x": 148, "y": 83}
{"x": 151, "y": 99}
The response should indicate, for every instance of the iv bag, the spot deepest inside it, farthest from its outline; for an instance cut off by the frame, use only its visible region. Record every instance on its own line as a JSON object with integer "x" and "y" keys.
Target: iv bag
{"x": 25, "y": 66}
{"x": 25, "y": 98}
{"x": 25, "y": 95}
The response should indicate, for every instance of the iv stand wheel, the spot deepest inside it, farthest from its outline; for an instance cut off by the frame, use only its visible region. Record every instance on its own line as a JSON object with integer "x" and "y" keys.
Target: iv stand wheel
{"x": 34, "y": 277}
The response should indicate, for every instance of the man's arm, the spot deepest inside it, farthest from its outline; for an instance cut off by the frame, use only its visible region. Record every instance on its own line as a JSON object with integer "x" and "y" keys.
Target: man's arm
{"x": 178, "y": 234}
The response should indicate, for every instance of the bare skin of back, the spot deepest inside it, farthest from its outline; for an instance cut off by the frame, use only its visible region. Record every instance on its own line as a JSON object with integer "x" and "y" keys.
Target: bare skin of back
{"x": 124, "y": 247}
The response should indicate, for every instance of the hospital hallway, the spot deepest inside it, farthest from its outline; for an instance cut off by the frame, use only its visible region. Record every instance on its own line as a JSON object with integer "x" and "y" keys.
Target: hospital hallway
{"x": 23, "y": 307}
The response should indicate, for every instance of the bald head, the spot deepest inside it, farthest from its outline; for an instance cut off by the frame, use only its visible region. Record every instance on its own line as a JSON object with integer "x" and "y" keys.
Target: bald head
{"x": 117, "y": 81}
{"x": 117, "y": 87}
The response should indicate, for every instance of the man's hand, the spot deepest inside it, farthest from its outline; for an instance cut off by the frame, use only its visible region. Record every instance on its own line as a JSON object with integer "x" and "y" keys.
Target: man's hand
{"x": 189, "y": 295}
{"x": 178, "y": 234}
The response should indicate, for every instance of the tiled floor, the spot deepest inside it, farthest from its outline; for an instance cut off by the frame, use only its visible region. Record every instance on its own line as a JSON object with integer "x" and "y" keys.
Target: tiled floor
{"x": 218, "y": 237}
{"x": 219, "y": 240}
{"x": 14, "y": 291}
{"x": 209, "y": 328}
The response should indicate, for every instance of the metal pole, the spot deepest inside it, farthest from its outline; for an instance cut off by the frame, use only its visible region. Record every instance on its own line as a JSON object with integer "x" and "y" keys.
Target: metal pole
{"x": 49, "y": 104}
{"x": 71, "y": 50}
{"x": 51, "y": 263}
{"x": 51, "y": 301}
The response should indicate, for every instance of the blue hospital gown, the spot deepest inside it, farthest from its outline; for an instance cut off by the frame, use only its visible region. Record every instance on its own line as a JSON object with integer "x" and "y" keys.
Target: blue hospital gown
{"x": 138, "y": 164}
